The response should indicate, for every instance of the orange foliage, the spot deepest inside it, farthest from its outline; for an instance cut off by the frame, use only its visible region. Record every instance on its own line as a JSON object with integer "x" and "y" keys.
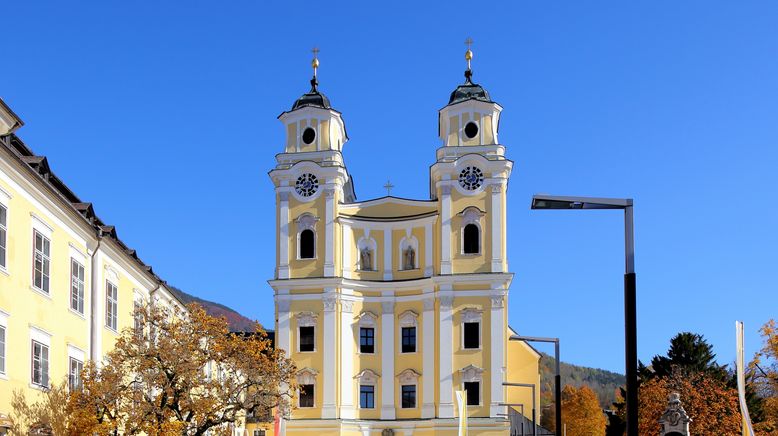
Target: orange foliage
{"x": 581, "y": 412}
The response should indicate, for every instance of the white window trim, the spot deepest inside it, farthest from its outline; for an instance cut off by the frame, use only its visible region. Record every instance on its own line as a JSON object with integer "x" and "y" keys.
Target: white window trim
{"x": 409, "y": 318}
{"x": 307, "y": 221}
{"x": 116, "y": 315}
{"x": 80, "y": 314}
{"x": 307, "y": 376}
{"x": 4, "y": 204}
{"x": 408, "y": 377}
{"x": 472, "y": 373}
{"x": 367, "y": 377}
{"x": 367, "y": 320}
{"x": 471, "y": 215}
{"x": 42, "y": 337}
{"x": 4, "y": 324}
{"x": 307, "y": 319}
{"x": 47, "y": 235}
{"x": 471, "y": 315}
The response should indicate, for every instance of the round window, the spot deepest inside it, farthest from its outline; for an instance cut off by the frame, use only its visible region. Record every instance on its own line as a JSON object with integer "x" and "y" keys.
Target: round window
{"x": 309, "y": 135}
{"x": 471, "y": 130}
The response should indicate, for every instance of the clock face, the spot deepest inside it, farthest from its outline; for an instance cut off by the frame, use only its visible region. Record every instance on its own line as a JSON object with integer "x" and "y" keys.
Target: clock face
{"x": 471, "y": 178}
{"x": 306, "y": 185}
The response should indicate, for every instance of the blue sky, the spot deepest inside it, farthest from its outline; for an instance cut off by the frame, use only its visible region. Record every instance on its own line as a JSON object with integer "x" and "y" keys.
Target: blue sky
{"x": 164, "y": 116}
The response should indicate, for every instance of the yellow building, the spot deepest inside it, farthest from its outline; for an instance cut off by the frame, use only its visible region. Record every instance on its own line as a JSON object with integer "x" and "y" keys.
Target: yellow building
{"x": 390, "y": 305}
{"x": 68, "y": 284}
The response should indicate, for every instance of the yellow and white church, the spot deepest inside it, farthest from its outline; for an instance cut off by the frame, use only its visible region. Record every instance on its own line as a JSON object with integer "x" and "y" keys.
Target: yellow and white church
{"x": 388, "y": 306}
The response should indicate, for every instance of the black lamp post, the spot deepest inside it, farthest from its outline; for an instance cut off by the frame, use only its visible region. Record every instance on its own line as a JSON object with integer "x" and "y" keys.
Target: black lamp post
{"x": 630, "y": 310}
{"x": 557, "y": 376}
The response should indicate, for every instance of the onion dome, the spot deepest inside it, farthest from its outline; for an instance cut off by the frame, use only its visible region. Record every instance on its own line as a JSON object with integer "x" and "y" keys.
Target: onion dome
{"x": 312, "y": 98}
{"x": 469, "y": 90}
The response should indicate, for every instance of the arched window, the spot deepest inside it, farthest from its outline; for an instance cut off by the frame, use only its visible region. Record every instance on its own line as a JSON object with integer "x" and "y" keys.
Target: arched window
{"x": 471, "y": 240}
{"x": 307, "y": 244}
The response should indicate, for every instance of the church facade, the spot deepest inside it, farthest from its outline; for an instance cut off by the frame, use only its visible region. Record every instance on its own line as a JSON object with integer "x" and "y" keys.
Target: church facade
{"x": 388, "y": 306}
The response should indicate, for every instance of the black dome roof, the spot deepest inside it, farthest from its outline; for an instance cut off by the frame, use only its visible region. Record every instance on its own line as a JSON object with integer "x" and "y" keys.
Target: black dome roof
{"x": 468, "y": 91}
{"x": 312, "y": 98}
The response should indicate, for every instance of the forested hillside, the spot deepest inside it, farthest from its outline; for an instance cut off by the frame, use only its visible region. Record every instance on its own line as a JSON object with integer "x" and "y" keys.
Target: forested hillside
{"x": 603, "y": 383}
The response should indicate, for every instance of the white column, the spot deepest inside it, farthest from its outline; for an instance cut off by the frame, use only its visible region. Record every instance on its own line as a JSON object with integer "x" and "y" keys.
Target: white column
{"x": 445, "y": 229}
{"x": 428, "y": 249}
{"x": 348, "y": 243}
{"x": 346, "y": 360}
{"x": 328, "y": 408}
{"x": 283, "y": 235}
{"x": 98, "y": 305}
{"x": 387, "y": 253}
{"x": 387, "y": 360}
{"x": 284, "y": 333}
{"x": 445, "y": 376}
{"x": 498, "y": 345}
{"x": 496, "y": 226}
{"x": 428, "y": 355}
{"x": 329, "y": 217}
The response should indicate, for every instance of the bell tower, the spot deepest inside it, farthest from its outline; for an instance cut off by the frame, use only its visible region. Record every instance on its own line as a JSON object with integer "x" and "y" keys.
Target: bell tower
{"x": 469, "y": 180}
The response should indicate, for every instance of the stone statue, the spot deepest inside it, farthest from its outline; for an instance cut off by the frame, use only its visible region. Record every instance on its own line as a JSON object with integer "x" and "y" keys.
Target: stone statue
{"x": 365, "y": 259}
{"x": 409, "y": 258}
{"x": 675, "y": 421}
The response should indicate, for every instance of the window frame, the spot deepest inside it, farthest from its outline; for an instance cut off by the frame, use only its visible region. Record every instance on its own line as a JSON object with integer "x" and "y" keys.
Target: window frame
{"x": 402, "y": 339}
{"x": 259, "y": 432}
{"x": 478, "y": 391}
{"x": 43, "y": 361}
{"x": 371, "y": 393}
{"x": 415, "y": 396}
{"x": 3, "y": 347}
{"x": 478, "y": 239}
{"x": 300, "y": 337}
{"x": 370, "y": 337}
{"x": 74, "y": 379}
{"x": 312, "y": 395}
{"x": 74, "y": 281}
{"x": 3, "y": 236}
{"x": 45, "y": 269}
{"x": 113, "y": 305}
{"x": 471, "y": 315}
{"x": 300, "y": 244}
{"x": 305, "y": 222}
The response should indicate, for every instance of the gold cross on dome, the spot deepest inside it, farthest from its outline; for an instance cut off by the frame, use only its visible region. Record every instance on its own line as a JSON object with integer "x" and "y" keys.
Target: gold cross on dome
{"x": 315, "y": 52}
{"x": 315, "y": 61}
{"x": 469, "y": 42}
{"x": 468, "y": 53}
{"x": 388, "y": 186}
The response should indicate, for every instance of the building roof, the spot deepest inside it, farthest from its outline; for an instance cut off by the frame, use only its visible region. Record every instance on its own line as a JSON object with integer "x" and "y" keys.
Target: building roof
{"x": 312, "y": 98}
{"x": 469, "y": 91}
{"x": 39, "y": 165}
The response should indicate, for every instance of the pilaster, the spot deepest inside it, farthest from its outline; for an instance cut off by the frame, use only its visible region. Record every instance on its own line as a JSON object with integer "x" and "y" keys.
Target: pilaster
{"x": 445, "y": 229}
{"x": 283, "y": 335}
{"x": 496, "y": 225}
{"x": 498, "y": 345}
{"x": 428, "y": 249}
{"x": 446, "y": 352}
{"x": 388, "y": 253}
{"x": 346, "y": 360}
{"x": 329, "y": 405}
{"x": 348, "y": 243}
{"x": 387, "y": 360}
{"x": 329, "y": 217}
{"x": 428, "y": 357}
{"x": 283, "y": 235}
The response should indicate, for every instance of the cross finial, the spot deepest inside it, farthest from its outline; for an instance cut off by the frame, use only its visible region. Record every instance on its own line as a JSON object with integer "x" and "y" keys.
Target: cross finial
{"x": 315, "y": 61}
{"x": 468, "y": 53}
{"x": 388, "y": 186}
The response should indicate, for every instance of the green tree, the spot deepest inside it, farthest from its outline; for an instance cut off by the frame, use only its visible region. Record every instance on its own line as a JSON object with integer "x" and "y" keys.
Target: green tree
{"x": 689, "y": 353}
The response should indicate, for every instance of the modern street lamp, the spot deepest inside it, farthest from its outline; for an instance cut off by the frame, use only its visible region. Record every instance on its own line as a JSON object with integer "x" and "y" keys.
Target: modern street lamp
{"x": 534, "y": 410}
{"x": 543, "y": 201}
{"x": 557, "y": 376}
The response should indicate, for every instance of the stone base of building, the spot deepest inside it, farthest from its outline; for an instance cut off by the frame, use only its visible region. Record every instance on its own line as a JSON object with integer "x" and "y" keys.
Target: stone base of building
{"x": 413, "y": 427}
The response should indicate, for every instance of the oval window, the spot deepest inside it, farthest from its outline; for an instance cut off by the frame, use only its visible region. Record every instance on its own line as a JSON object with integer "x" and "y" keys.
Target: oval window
{"x": 471, "y": 130}
{"x": 309, "y": 135}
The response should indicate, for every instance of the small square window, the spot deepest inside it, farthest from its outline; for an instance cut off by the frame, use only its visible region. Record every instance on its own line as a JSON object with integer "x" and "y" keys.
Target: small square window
{"x": 307, "y": 338}
{"x": 408, "y": 396}
{"x": 473, "y": 393}
{"x": 306, "y": 395}
{"x": 259, "y": 432}
{"x": 367, "y": 340}
{"x": 472, "y": 334}
{"x": 409, "y": 339}
{"x": 366, "y": 397}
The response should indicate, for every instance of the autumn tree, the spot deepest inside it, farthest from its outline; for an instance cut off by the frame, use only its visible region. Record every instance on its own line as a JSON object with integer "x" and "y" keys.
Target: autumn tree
{"x": 48, "y": 412}
{"x": 581, "y": 412}
{"x": 689, "y": 353}
{"x": 182, "y": 375}
{"x": 763, "y": 377}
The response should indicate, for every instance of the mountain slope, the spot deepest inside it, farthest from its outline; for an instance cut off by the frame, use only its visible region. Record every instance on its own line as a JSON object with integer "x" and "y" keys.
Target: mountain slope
{"x": 603, "y": 383}
{"x": 237, "y": 322}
